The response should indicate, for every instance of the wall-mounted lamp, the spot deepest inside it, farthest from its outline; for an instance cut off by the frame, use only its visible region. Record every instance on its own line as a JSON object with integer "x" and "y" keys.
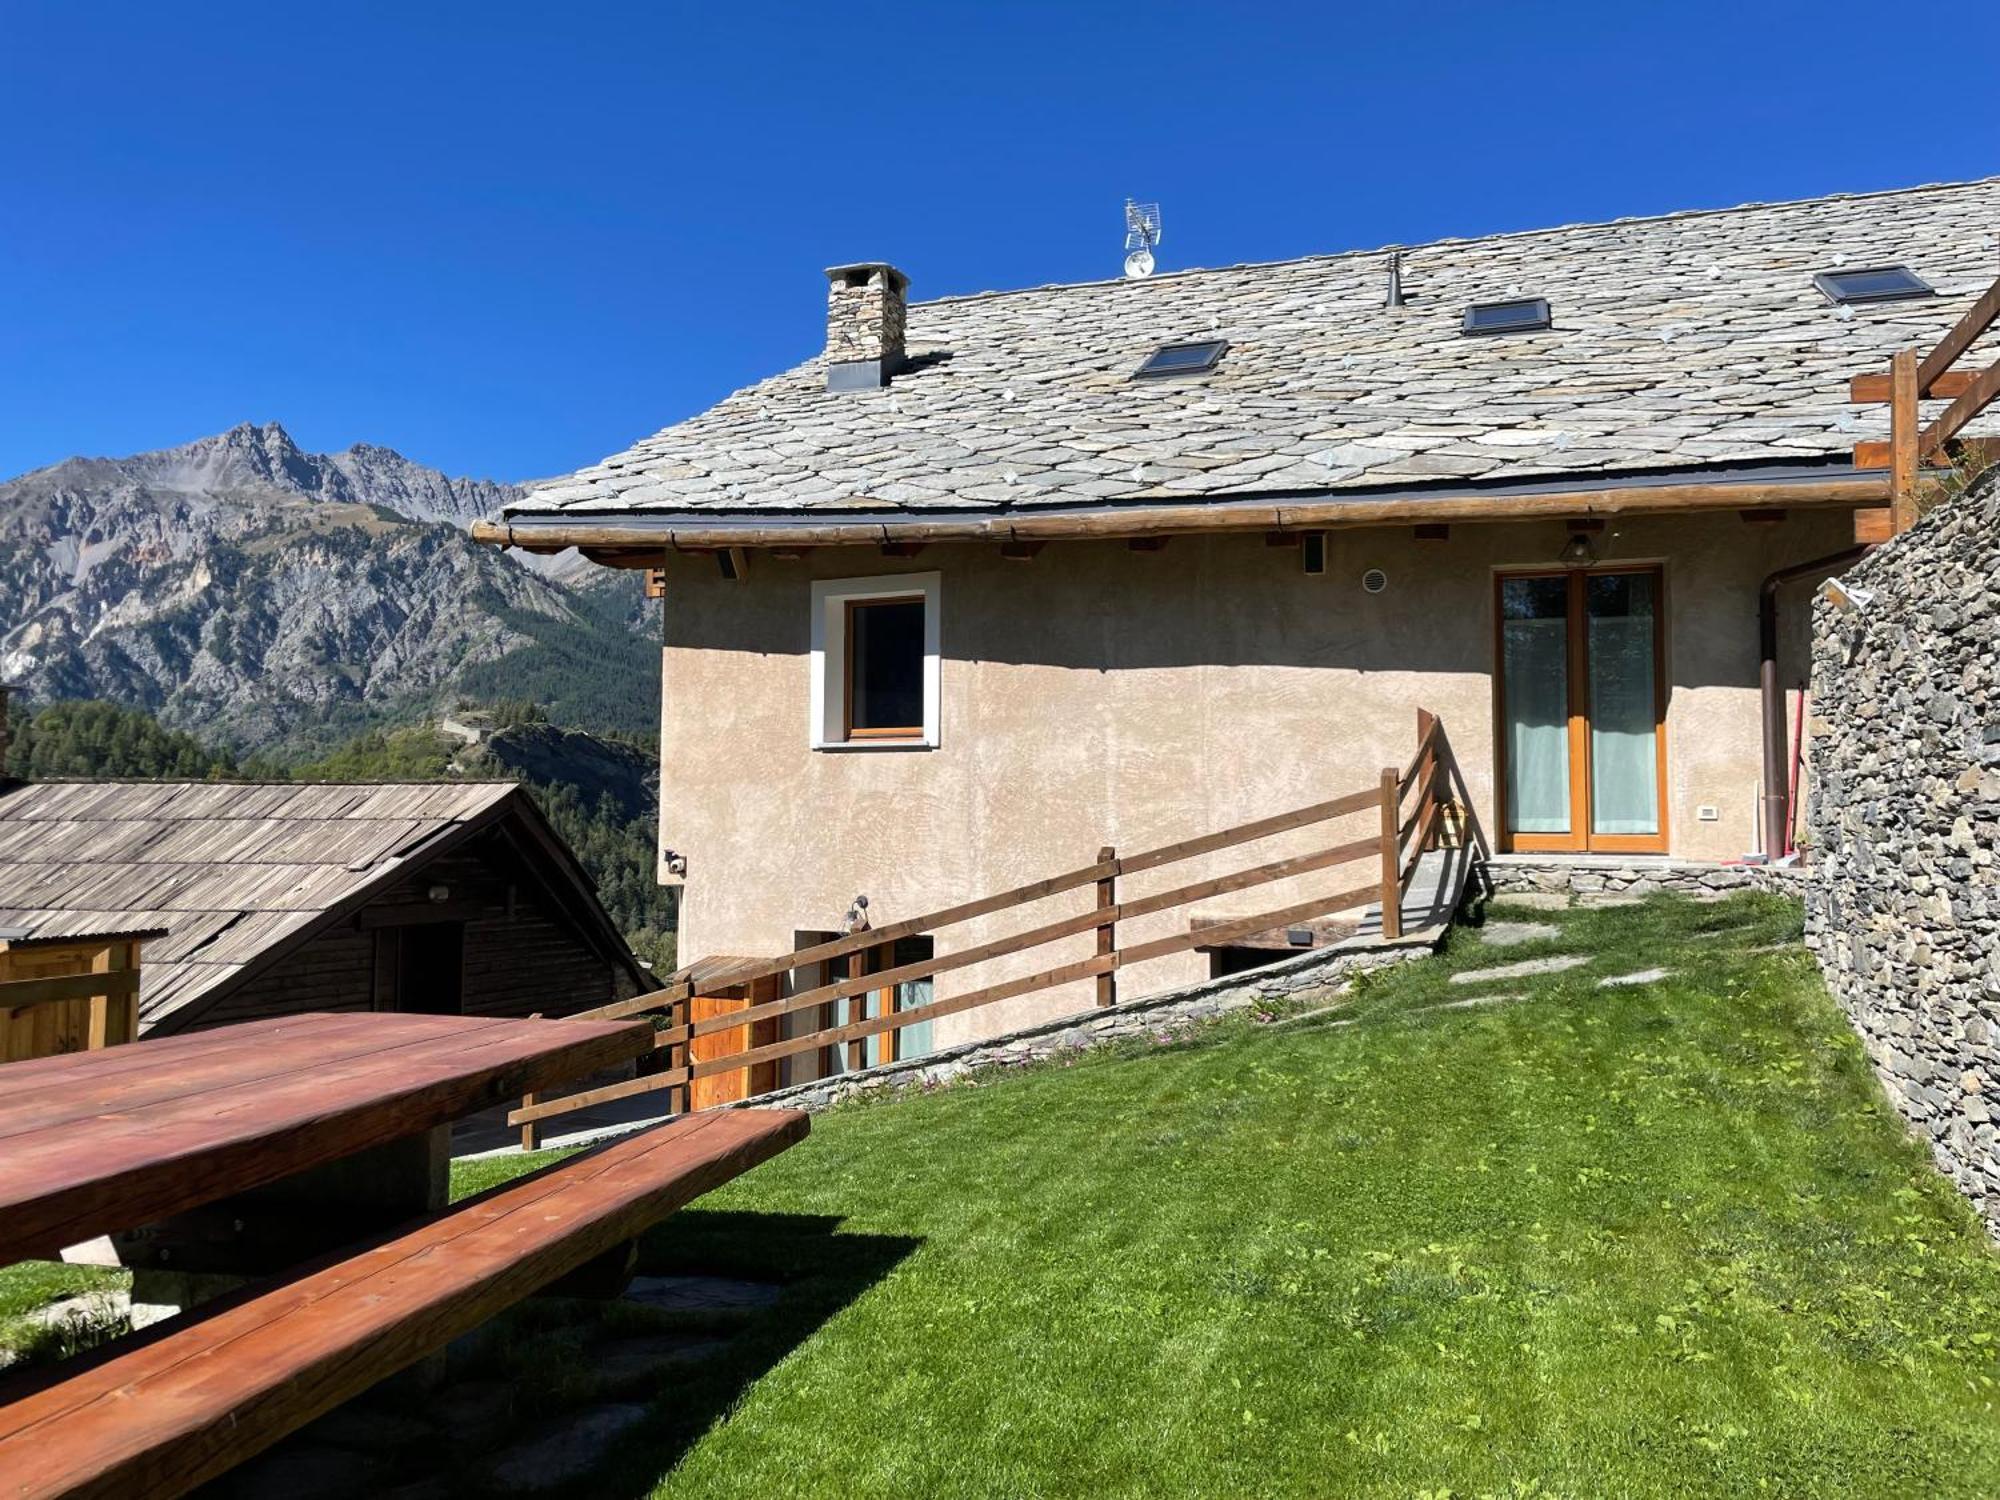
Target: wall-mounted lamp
{"x": 1577, "y": 551}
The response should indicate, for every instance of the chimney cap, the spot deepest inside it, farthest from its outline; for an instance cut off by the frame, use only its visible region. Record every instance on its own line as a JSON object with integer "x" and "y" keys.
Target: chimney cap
{"x": 858, "y": 273}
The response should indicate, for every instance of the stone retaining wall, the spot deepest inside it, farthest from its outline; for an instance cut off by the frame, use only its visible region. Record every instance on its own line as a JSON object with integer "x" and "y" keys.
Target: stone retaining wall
{"x": 1169, "y": 1014}
{"x": 1902, "y": 908}
{"x": 1593, "y": 880}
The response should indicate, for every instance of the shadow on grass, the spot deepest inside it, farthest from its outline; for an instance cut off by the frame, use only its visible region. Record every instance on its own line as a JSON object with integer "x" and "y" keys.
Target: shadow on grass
{"x": 821, "y": 1270}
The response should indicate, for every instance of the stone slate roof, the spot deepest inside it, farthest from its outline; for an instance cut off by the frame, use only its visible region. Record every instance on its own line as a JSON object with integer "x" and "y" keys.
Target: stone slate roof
{"x": 235, "y": 872}
{"x": 1689, "y": 341}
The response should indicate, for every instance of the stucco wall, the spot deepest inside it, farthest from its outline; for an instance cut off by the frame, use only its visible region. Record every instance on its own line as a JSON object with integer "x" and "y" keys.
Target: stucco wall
{"x": 1100, "y": 696}
{"x": 1903, "y": 883}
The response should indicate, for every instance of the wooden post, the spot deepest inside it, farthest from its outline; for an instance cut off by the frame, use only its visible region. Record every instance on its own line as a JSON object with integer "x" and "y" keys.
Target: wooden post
{"x": 531, "y": 1133}
{"x": 680, "y": 1015}
{"x": 1392, "y": 873}
{"x": 1107, "y": 931}
{"x": 114, "y": 1018}
{"x": 1903, "y": 437}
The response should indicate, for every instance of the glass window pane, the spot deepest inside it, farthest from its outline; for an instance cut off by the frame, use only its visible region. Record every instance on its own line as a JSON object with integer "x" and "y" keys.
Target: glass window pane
{"x": 1620, "y": 610}
{"x": 886, "y": 690}
{"x": 1534, "y": 658}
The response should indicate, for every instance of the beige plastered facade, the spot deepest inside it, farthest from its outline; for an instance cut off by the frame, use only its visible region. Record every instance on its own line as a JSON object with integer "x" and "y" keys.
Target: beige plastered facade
{"x": 1100, "y": 696}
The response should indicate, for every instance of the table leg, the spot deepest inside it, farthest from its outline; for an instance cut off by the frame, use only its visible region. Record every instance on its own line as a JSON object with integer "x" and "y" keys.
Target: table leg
{"x": 207, "y": 1251}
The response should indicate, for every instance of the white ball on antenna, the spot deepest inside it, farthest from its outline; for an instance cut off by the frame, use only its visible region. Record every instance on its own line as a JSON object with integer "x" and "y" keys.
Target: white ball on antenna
{"x": 1139, "y": 264}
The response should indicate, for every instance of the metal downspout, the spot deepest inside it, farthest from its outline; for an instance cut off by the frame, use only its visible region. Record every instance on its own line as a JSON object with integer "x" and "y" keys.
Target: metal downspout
{"x": 1777, "y": 799}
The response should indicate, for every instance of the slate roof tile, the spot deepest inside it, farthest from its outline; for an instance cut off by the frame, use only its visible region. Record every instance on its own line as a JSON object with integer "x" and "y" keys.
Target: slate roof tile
{"x": 1689, "y": 339}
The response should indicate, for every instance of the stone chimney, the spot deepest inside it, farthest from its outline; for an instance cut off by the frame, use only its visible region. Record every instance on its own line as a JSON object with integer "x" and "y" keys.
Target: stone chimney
{"x": 865, "y": 308}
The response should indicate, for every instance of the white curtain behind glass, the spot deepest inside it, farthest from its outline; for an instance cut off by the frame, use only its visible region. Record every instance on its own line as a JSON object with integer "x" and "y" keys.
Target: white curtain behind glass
{"x": 1534, "y": 658}
{"x": 1624, "y": 769}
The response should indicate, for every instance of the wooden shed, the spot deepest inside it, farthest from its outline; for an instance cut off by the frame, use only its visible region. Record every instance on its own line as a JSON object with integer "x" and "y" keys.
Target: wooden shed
{"x": 66, "y": 988}
{"x": 278, "y": 897}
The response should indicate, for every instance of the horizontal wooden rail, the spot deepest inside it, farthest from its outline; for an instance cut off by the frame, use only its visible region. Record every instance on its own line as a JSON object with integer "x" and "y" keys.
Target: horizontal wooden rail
{"x": 1964, "y": 334}
{"x": 56, "y": 987}
{"x": 1873, "y": 390}
{"x": 1913, "y": 447}
{"x": 1399, "y": 845}
{"x": 1977, "y": 396}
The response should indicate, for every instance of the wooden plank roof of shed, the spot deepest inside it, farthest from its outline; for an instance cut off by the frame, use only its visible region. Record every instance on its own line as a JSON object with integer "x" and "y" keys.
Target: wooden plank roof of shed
{"x": 230, "y": 870}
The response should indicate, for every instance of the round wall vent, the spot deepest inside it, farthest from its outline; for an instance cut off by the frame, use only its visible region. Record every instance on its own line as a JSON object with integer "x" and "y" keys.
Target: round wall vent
{"x": 1374, "y": 580}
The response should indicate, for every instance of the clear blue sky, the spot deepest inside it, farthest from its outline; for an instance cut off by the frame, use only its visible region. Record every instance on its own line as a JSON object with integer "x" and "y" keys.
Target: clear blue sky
{"x": 508, "y": 239}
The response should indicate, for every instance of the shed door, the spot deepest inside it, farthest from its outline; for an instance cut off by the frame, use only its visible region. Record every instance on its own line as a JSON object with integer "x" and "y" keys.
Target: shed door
{"x": 1582, "y": 710}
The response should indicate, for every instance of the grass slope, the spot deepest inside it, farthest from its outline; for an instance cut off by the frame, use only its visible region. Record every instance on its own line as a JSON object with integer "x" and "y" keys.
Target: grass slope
{"x": 1659, "y": 1240}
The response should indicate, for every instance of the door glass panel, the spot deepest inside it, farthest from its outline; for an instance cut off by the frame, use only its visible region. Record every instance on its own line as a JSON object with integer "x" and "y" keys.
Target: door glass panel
{"x": 1534, "y": 657}
{"x": 913, "y": 1041}
{"x": 1620, "y": 611}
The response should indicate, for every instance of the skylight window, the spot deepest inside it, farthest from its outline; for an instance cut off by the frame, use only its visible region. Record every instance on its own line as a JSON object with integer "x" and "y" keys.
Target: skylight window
{"x": 1876, "y": 284}
{"x": 1181, "y": 359}
{"x": 1507, "y": 317}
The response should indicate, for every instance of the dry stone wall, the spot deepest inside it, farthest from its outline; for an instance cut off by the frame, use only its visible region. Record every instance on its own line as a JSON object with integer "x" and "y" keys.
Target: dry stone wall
{"x": 1903, "y": 892}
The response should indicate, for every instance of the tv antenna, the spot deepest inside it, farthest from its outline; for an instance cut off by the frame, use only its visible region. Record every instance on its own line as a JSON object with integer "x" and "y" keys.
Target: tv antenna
{"x": 1142, "y": 233}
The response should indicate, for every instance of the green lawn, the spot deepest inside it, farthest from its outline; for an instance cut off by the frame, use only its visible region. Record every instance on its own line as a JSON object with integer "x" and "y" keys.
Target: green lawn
{"x": 1663, "y": 1240}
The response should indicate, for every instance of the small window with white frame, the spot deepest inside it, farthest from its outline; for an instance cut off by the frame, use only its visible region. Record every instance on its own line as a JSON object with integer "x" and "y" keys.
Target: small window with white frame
{"x": 875, "y": 662}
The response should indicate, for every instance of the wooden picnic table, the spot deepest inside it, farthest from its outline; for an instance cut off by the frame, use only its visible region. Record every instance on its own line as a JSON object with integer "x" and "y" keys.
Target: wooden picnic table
{"x": 95, "y": 1142}
{"x": 242, "y": 1148}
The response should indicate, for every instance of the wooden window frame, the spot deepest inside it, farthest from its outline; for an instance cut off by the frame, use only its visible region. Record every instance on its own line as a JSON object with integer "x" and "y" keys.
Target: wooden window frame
{"x": 1580, "y": 839}
{"x": 905, "y": 733}
{"x": 830, "y": 708}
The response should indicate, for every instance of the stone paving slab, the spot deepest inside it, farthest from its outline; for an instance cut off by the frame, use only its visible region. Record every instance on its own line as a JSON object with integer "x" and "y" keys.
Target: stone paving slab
{"x": 1643, "y": 976}
{"x": 701, "y": 1293}
{"x": 632, "y": 1361}
{"x": 302, "y": 1471}
{"x": 1554, "y": 964}
{"x": 1475, "y": 1000}
{"x": 1513, "y": 934}
{"x": 567, "y": 1452}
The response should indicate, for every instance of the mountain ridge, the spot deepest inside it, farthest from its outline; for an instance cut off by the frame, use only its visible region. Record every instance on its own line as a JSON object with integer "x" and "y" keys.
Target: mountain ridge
{"x": 277, "y": 598}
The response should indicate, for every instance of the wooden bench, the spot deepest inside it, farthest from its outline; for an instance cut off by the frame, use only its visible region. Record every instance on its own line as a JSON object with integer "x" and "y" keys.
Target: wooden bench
{"x": 158, "y": 1414}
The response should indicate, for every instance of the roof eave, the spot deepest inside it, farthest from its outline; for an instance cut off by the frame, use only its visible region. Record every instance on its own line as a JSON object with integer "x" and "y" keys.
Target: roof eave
{"x": 1800, "y": 487}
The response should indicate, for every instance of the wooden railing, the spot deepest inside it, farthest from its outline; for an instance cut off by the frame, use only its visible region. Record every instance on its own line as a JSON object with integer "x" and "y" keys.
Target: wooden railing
{"x": 67, "y": 996}
{"x": 1915, "y": 378}
{"x": 1413, "y": 806}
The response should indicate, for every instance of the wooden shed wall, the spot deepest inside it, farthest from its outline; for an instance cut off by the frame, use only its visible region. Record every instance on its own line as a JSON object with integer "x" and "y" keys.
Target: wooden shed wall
{"x": 522, "y": 954}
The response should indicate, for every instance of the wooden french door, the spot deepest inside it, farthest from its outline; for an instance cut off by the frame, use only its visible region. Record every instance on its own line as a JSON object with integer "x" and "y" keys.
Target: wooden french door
{"x": 1581, "y": 710}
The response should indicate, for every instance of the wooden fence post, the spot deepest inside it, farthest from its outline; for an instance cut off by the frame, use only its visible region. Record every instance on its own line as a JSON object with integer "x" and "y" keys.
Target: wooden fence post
{"x": 1392, "y": 873}
{"x": 680, "y": 1015}
{"x": 531, "y": 1132}
{"x": 1107, "y": 931}
{"x": 1903, "y": 438}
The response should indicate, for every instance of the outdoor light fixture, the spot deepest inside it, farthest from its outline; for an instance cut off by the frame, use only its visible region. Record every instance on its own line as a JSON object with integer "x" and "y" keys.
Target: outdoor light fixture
{"x": 1577, "y": 551}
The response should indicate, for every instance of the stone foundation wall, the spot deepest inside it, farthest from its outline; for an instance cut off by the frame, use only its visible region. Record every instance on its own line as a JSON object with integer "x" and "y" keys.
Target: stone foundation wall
{"x": 1164, "y": 1015}
{"x": 1595, "y": 881}
{"x": 1903, "y": 904}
